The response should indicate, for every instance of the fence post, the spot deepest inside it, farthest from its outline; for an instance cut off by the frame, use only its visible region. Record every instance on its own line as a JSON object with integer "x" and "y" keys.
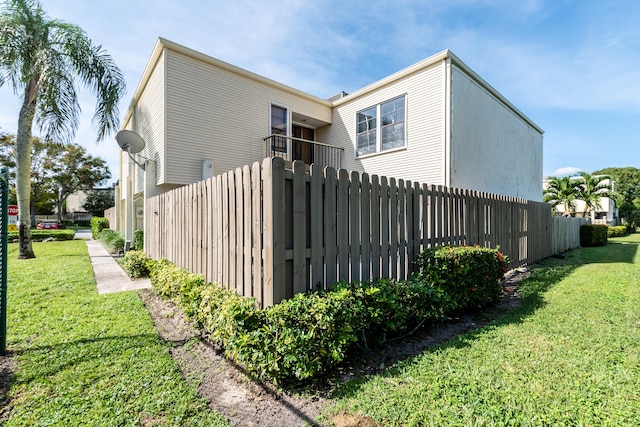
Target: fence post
{"x": 274, "y": 231}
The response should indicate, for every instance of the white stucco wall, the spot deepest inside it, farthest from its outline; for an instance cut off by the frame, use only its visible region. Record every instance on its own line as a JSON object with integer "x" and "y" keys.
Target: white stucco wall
{"x": 493, "y": 149}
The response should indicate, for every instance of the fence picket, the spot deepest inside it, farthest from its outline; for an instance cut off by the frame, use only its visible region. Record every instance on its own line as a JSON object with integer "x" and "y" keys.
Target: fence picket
{"x": 365, "y": 227}
{"x": 375, "y": 227}
{"x": 384, "y": 222}
{"x": 299, "y": 227}
{"x": 393, "y": 228}
{"x": 343, "y": 225}
{"x": 330, "y": 226}
{"x": 354, "y": 221}
{"x": 256, "y": 242}
{"x": 247, "y": 229}
{"x": 315, "y": 216}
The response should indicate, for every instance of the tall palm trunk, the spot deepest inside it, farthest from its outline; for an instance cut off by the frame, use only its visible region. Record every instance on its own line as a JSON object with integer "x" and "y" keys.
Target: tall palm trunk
{"x": 23, "y": 170}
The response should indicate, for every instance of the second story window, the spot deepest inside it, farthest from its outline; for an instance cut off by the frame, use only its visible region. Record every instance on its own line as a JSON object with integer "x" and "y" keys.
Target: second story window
{"x": 279, "y": 126}
{"x": 381, "y": 127}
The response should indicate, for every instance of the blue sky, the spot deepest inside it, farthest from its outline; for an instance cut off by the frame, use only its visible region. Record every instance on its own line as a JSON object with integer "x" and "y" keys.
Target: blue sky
{"x": 572, "y": 66}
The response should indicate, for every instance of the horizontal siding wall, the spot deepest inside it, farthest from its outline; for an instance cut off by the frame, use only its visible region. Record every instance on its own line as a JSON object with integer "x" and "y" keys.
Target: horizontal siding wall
{"x": 215, "y": 114}
{"x": 492, "y": 148}
{"x": 148, "y": 121}
{"x": 270, "y": 233}
{"x": 423, "y": 159}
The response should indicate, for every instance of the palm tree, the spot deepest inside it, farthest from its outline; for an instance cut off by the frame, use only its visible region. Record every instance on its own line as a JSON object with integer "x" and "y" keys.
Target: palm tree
{"x": 41, "y": 58}
{"x": 592, "y": 188}
{"x": 562, "y": 191}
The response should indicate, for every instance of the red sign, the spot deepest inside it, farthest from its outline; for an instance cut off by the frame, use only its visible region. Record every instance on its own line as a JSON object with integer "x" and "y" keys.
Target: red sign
{"x": 12, "y": 210}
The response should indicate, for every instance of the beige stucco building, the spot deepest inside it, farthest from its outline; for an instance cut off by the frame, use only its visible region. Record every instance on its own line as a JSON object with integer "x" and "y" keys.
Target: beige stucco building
{"x": 435, "y": 122}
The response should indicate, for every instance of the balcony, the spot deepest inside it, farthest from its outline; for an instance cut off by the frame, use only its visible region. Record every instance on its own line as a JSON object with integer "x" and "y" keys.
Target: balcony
{"x": 310, "y": 152}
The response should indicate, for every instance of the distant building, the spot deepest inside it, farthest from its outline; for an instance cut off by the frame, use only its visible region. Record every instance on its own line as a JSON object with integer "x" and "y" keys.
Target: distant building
{"x": 607, "y": 213}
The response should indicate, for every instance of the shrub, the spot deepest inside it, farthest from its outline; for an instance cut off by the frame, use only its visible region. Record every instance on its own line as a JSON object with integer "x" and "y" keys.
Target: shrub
{"x": 45, "y": 234}
{"x": 178, "y": 284}
{"x": 470, "y": 275}
{"x": 136, "y": 264}
{"x": 617, "y": 231}
{"x": 313, "y": 332}
{"x": 113, "y": 241}
{"x": 138, "y": 239}
{"x": 385, "y": 308}
{"x": 306, "y": 335}
{"x": 593, "y": 235}
{"x": 97, "y": 225}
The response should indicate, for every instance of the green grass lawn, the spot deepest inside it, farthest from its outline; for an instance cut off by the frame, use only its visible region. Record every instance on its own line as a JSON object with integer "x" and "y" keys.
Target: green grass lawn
{"x": 569, "y": 356}
{"x": 88, "y": 359}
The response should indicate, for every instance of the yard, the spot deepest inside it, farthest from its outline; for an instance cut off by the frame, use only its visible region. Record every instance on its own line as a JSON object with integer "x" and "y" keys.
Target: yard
{"x": 569, "y": 355}
{"x": 80, "y": 358}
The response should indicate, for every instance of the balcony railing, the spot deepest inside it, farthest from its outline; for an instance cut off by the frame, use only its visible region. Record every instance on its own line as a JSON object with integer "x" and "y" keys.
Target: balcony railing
{"x": 310, "y": 152}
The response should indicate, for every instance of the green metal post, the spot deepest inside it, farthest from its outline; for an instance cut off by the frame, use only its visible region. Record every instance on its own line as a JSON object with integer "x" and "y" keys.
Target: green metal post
{"x": 4, "y": 188}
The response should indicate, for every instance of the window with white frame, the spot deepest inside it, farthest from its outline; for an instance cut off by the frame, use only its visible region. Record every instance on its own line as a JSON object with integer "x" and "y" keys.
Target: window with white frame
{"x": 381, "y": 127}
{"x": 279, "y": 128}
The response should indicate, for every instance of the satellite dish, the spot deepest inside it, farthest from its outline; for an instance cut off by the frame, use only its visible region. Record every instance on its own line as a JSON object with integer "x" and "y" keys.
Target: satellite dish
{"x": 130, "y": 141}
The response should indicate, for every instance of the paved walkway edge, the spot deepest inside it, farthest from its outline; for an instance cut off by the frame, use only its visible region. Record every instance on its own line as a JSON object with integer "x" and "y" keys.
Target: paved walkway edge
{"x": 108, "y": 274}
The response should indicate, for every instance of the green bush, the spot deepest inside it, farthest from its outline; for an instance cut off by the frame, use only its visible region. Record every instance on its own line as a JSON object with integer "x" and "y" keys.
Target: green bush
{"x": 385, "y": 308}
{"x": 178, "y": 284}
{"x": 113, "y": 241}
{"x": 97, "y": 225}
{"x": 45, "y": 234}
{"x": 136, "y": 264}
{"x": 470, "y": 275}
{"x": 593, "y": 235}
{"x": 138, "y": 239}
{"x": 617, "y": 231}
{"x": 310, "y": 333}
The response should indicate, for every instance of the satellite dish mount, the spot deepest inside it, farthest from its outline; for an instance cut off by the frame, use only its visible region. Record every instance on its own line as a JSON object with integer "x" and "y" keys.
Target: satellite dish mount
{"x": 132, "y": 143}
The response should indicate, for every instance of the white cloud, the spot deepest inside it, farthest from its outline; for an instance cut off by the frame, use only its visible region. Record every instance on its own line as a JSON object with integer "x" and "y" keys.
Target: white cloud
{"x": 565, "y": 171}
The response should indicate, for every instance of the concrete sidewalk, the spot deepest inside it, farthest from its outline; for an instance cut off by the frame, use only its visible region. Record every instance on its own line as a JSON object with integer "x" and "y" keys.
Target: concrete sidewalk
{"x": 109, "y": 275}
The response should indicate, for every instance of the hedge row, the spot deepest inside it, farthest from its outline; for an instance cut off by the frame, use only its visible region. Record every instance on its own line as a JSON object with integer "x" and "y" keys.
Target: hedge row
{"x": 593, "y": 235}
{"x": 312, "y": 333}
{"x": 45, "y": 234}
{"x": 618, "y": 231}
{"x": 97, "y": 225}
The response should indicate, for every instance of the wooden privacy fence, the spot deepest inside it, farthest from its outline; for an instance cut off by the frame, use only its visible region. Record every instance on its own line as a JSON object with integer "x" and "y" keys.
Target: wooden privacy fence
{"x": 270, "y": 232}
{"x": 566, "y": 233}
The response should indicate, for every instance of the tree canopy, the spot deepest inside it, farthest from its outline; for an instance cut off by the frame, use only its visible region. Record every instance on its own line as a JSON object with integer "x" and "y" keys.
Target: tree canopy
{"x": 627, "y": 191}
{"x": 42, "y": 59}
{"x": 58, "y": 170}
{"x": 592, "y": 189}
{"x": 98, "y": 201}
{"x": 561, "y": 191}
